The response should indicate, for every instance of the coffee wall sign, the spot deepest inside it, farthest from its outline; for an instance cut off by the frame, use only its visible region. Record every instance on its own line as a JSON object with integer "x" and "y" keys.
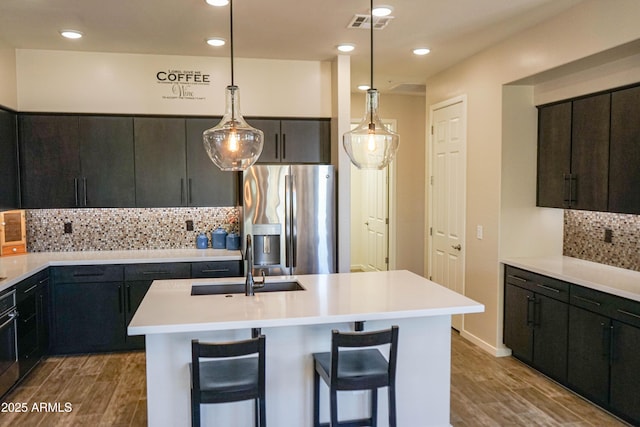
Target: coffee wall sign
{"x": 183, "y": 84}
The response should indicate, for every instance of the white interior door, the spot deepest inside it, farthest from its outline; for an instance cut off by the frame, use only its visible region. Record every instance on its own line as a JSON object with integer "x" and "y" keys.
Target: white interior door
{"x": 375, "y": 191}
{"x": 371, "y": 223}
{"x": 448, "y": 164}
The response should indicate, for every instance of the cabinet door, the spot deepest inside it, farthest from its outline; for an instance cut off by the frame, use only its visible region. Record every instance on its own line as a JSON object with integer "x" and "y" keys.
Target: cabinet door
{"x": 88, "y": 317}
{"x": 49, "y": 161}
{"x": 589, "y": 347}
{"x": 134, "y": 294}
{"x": 8, "y": 161}
{"x": 272, "y": 150}
{"x": 518, "y": 321}
{"x": 554, "y": 155}
{"x": 625, "y": 371}
{"x": 305, "y": 141}
{"x": 590, "y": 152}
{"x": 550, "y": 337}
{"x": 207, "y": 185}
{"x": 160, "y": 162}
{"x": 624, "y": 167}
{"x": 106, "y": 158}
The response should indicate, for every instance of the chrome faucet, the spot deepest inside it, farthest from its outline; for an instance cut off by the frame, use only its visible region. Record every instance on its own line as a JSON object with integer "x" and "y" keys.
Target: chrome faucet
{"x": 250, "y": 284}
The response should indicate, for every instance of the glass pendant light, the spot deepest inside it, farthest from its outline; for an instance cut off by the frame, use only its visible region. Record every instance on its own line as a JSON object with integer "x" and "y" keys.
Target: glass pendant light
{"x": 371, "y": 145}
{"x": 233, "y": 145}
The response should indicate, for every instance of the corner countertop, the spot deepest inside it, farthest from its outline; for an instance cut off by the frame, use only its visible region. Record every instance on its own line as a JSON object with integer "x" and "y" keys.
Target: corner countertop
{"x": 605, "y": 278}
{"x": 169, "y": 307}
{"x": 19, "y": 267}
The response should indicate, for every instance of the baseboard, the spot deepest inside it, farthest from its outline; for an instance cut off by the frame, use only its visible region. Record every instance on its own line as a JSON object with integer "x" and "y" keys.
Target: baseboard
{"x": 494, "y": 351}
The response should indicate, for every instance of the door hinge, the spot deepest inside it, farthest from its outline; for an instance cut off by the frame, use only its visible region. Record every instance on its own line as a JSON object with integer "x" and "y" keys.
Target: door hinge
{"x": 430, "y": 231}
{"x": 386, "y": 221}
{"x": 431, "y": 180}
{"x": 386, "y": 260}
{"x": 431, "y": 129}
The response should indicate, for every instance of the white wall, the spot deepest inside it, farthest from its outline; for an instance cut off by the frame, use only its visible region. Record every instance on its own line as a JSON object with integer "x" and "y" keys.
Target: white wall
{"x": 91, "y": 82}
{"x": 587, "y": 29}
{"x": 8, "y": 92}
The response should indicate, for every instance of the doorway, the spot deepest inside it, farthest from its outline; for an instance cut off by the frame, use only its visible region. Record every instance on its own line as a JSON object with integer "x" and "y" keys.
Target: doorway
{"x": 448, "y": 165}
{"x": 372, "y": 217}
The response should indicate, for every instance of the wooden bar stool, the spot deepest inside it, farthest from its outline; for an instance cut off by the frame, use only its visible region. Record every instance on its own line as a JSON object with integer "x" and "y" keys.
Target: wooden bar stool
{"x": 356, "y": 370}
{"x": 229, "y": 378}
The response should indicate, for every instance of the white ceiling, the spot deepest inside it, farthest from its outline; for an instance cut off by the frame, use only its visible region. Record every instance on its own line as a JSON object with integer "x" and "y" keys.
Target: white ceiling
{"x": 279, "y": 29}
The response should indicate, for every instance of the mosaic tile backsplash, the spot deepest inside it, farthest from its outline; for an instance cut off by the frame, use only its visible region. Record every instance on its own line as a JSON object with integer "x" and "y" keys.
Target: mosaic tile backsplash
{"x": 584, "y": 238}
{"x": 123, "y": 229}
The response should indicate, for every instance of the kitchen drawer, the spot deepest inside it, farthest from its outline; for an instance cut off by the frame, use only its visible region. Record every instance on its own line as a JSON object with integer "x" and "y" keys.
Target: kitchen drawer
{"x": 627, "y": 311}
{"x": 28, "y": 287}
{"x": 216, "y": 269}
{"x": 592, "y": 300}
{"x": 157, "y": 271}
{"x": 87, "y": 274}
{"x": 538, "y": 283}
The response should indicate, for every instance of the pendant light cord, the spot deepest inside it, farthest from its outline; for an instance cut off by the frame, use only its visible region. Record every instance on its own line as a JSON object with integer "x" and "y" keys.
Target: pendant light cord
{"x": 231, "y": 37}
{"x": 371, "y": 64}
{"x": 371, "y": 39}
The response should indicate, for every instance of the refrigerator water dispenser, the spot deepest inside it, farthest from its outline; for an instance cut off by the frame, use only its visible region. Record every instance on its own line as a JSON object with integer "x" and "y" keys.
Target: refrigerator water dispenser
{"x": 266, "y": 244}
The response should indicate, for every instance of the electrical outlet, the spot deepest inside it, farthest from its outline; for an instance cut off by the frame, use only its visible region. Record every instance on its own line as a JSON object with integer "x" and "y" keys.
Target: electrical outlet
{"x": 608, "y": 235}
{"x": 189, "y": 225}
{"x": 68, "y": 229}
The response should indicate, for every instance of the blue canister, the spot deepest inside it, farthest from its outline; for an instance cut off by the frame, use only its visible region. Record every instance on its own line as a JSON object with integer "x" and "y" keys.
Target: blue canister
{"x": 233, "y": 242}
{"x": 218, "y": 238}
{"x": 202, "y": 241}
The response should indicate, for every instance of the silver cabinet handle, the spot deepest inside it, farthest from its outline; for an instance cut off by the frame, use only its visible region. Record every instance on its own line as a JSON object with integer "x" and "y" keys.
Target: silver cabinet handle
{"x": 628, "y": 313}
{"x": 548, "y": 288}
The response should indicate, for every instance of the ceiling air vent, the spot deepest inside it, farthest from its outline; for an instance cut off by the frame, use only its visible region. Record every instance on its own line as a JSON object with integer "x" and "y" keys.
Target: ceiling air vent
{"x": 364, "y": 22}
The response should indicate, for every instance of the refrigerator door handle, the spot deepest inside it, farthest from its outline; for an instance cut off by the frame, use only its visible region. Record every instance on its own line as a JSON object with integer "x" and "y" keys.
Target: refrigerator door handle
{"x": 287, "y": 220}
{"x": 294, "y": 222}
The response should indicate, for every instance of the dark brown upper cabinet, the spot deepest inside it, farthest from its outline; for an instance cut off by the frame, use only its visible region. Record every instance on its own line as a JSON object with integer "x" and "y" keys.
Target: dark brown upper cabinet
{"x": 624, "y": 168}
{"x": 294, "y": 140}
{"x": 9, "y": 196}
{"x": 69, "y": 161}
{"x": 589, "y": 152}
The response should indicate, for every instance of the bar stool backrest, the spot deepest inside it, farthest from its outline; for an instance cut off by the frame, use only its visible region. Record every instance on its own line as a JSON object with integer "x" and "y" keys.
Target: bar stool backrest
{"x": 365, "y": 339}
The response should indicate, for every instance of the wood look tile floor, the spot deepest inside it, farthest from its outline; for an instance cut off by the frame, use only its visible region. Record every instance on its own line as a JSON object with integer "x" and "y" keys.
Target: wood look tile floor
{"x": 109, "y": 390}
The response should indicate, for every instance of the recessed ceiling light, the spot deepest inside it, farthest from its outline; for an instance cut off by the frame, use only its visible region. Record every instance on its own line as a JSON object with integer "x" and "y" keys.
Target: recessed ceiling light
{"x": 71, "y": 34}
{"x": 346, "y": 47}
{"x": 421, "y": 51}
{"x": 382, "y": 10}
{"x": 216, "y": 41}
{"x": 217, "y": 2}
{"x": 363, "y": 87}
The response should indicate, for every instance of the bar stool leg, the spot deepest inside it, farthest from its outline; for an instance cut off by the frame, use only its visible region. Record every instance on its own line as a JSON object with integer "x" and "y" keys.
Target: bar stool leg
{"x": 316, "y": 399}
{"x": 195, "y": 410}
{"x": 392, "y": 405}
{"x": 374, "y": 407}
{"x": 263, "y": 413}
{"x": 334, "y": 407}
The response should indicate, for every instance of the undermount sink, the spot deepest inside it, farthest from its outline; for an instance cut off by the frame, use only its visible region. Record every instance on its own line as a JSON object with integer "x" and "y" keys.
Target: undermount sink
{"x": 223, "y": 288}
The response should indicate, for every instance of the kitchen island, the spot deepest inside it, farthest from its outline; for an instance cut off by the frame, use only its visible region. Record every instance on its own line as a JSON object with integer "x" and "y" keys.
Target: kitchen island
{"x": 297, "y": 324}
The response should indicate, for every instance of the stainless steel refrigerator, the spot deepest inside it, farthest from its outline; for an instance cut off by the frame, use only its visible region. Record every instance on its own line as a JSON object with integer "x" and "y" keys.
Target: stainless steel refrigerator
{"x": 290, "y": 210}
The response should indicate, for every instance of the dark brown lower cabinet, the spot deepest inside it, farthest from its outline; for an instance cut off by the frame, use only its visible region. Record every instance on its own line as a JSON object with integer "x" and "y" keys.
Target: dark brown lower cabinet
{"x": 589, "y": 349}
{"x": 593, "y": 337}
{"x": 625, "y": 371}
{"x": 536, "y": 330}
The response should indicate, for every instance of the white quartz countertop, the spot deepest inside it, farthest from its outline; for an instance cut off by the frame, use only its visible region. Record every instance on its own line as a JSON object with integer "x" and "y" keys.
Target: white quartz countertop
{"x": 169, "y": 307}
{"x": 18, "y": 267}
{"x": 613, "y": 280}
